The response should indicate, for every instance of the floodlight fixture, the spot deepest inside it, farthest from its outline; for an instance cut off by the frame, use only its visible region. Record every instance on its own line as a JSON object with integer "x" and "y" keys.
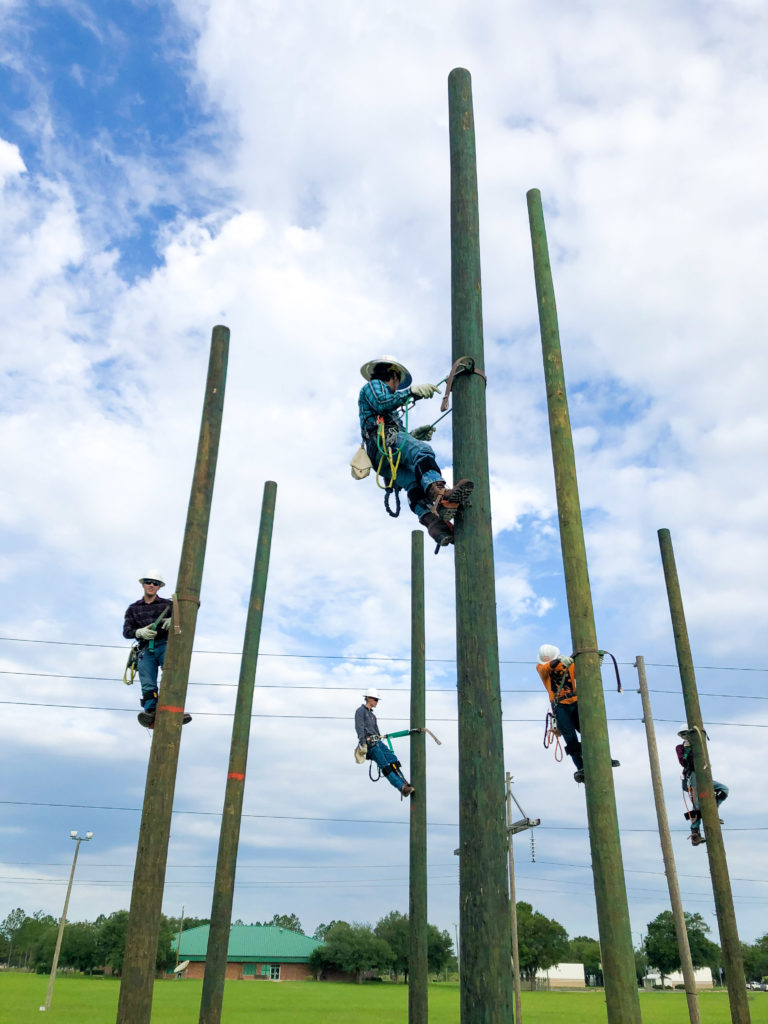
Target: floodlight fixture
{"x": 73, "y": 834}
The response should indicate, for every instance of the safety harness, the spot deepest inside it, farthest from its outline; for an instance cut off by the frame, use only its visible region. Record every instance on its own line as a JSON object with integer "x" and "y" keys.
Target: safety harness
{"x": 133, "y": 655}
{"x": 562, "y": 688}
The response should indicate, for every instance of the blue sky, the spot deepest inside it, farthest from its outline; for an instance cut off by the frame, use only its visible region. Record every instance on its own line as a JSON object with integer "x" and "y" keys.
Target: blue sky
{"x": 169, "y": 166}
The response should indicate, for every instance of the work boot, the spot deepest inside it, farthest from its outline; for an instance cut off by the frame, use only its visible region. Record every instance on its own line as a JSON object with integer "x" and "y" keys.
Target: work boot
{"x": 407, "y": 789}
{"x": 186, "y": 719}
{"x": 579, "y": 775}
{"x": 615, "y": 763}
{"x": 697, "y": 839}
{"x": 147, "y": 719}
{"x": 437, "y": 529}
{"x": 447, "y": 501}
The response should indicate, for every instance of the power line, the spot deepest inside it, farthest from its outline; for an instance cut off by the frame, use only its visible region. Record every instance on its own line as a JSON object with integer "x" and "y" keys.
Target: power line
{"x": 345, "y": 718}
{"x": 364, "y": 657}
{"x": 348, "y": 821}
{"x": 347, "y": 689}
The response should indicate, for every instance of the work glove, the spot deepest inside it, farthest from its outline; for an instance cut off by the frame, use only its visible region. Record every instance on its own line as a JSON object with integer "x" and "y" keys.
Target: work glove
{"x": 424, "y": 433}
{"x": 566, "y": 662}
{"x": 424, "y": 390}
{"x": 146, "y": 633}
{"x": 165, "y": 624}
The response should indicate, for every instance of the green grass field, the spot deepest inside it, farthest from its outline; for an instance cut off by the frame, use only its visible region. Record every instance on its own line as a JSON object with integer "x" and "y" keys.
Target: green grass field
{"x": 94, "y": 1001}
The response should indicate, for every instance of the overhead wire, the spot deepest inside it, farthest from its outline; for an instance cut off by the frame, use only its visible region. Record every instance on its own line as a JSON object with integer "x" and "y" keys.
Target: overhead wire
{"x": 342, "y": 718}
{"x": 348, "y": 821}
{"x": 346, "y": 689}
{"x": 362, "y": 657}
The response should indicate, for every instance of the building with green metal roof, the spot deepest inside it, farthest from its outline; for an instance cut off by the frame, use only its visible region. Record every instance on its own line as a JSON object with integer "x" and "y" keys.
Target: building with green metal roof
{"x": 254, "y": 952}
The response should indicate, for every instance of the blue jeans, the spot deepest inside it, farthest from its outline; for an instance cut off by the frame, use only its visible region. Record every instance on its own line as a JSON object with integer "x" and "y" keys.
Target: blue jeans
{"x": 567, "y": 718}
{"x": 149, "y": 663}
{"x": 720, "y": 790}
{"x": 380, "y": 753}
{"x": 416, "y": 471}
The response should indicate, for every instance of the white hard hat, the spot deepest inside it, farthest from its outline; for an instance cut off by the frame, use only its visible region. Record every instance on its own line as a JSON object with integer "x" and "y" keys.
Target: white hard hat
{"x": 548, "y": 652}
{"x": 405, "y": 378}
{"x": 152, "y": 576}
{"x": 372, "y": 692}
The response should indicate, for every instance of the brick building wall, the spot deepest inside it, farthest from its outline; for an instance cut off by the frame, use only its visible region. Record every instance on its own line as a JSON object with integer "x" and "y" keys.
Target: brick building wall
{"x": 234, "y": 972}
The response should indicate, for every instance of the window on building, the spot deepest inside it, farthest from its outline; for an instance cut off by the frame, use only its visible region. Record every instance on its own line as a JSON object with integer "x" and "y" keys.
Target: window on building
{"x": 274, "y": 972}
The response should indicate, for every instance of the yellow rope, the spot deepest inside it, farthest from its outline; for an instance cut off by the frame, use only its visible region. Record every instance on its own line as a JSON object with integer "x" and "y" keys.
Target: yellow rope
{"x": 393, "y": 465}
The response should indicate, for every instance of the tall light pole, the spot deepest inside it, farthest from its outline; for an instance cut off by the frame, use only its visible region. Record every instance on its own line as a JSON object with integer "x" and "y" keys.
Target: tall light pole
{"x": 78, "y": 839}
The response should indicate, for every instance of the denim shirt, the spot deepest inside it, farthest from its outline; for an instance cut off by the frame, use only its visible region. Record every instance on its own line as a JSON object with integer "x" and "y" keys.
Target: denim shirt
{"x": 377, "y": 400}
{"x": 365, "y": 723}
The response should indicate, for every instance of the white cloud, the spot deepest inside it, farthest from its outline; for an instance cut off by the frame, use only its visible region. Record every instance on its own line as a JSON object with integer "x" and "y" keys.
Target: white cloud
{"x": 321, "y": 236}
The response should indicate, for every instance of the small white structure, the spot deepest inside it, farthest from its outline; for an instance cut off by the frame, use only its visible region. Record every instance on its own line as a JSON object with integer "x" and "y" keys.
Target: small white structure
{"x": 702, "y": 976}
{"x": 562, "y": 976}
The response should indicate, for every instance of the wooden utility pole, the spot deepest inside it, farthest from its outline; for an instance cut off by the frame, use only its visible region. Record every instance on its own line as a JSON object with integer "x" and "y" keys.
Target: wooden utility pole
{"x": 512, "y": 829}
{"x": 229, "y": 838}
{"x": 418, "y": 1010}
{"x": 486, "y": 968}
{"x": 718, "y": 866}
{"x": 135, "y": 1000}
{"x": 666, "y": 849}
{"x": 618, "y": 955}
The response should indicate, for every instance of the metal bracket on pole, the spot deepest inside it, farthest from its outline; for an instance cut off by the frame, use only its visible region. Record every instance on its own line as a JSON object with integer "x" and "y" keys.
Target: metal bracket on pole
{"x": 522, "y": 825}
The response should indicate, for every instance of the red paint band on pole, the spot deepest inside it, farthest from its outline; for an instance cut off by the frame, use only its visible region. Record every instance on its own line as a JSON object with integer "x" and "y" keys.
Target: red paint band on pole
{"x": 236, "y": 775}
{"x": 167, "y": 707}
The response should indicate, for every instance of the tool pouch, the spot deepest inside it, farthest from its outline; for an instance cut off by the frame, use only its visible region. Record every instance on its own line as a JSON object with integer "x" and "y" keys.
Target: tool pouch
{"x": 360, "y": 465}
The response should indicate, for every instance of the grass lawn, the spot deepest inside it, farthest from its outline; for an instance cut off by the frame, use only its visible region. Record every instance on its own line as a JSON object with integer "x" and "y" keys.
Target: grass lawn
{"x": 94, "y": 1001}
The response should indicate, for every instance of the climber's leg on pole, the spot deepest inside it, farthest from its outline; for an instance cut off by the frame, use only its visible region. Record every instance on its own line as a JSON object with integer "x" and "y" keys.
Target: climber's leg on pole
{"x": 567, "y": 717}
{"x": 387, "y": 761}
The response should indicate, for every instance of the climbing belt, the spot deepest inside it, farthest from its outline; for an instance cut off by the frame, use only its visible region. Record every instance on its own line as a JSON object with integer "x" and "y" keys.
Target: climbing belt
{"x": 385, "y": 451}
{"x": 408, "y": 732}
{"x": 552, "y": 735}
{"x": 464, "y": 364}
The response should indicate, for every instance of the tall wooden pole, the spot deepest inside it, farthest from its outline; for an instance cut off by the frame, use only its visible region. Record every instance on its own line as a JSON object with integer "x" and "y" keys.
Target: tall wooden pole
{"x": 486, "y": 968}
{"x": 135, "y": 1000}
{"x": 666, "y": 849}
{"x": 718, "y": 866}
{"x": 513, "y": 907}
{"x": 417, "y": 909}
{"x": 229, "y": 838}
{"x": 610, "y": 890}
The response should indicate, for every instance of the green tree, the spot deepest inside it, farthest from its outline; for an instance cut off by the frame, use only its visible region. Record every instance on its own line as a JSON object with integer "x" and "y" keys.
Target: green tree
{"x": 34, "y": 937}
{"x": 584, "y": 950}
{"x": 10, "y": 928}
{"x": 439, "y": 949}
{"x": 661, "y": 943}
{"x": 758, "y": 959}
{"x": 395, "y": 930}
{"x": 287, "y": 921}
{"x": 166, "y": 949}
{"x": 542, "y": 941}
{"x": 111, "y": 932}
{"x": 353, "y": 949}
{"x": 80, "y": 947}
{"x": 322, "y": 930}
